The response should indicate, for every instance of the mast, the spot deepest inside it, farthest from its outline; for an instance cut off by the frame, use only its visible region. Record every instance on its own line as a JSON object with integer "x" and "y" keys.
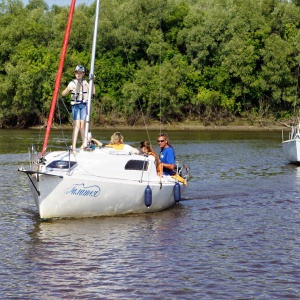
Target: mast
{"x": 59, "y": 75}
{"x": 91, "y": 76}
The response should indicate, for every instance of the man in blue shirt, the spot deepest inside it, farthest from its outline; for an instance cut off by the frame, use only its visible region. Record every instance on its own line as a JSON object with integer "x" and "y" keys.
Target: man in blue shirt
{"x": 167, "y": 154}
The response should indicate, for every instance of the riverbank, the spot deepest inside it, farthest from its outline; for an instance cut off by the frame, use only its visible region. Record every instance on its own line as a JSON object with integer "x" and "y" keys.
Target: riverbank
{"x": 197, "y": 126}
{"x": 201, "y": 127}
{"x": 189, "y": 125}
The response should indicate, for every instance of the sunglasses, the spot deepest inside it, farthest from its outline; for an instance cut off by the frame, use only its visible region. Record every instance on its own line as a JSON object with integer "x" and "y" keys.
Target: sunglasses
{"x": 160, "y": 141}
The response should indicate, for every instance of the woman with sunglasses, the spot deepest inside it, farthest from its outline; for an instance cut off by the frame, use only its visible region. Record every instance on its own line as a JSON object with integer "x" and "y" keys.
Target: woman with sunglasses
{"x": 167, "y": 154}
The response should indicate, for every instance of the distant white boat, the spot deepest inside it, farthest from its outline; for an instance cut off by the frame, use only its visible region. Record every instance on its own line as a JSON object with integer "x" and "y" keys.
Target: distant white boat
{"x": 100, "y": 181}
{"x": 291, "y": 147}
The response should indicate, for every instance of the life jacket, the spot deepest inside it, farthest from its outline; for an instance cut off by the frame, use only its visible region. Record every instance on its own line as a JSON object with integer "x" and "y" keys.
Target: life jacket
{"x": 116, "y": 147}
{"x": 179, "y": 178}
{"x": 80, "y": 94}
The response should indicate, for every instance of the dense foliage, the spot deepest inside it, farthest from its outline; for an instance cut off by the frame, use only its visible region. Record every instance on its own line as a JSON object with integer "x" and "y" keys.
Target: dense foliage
{"x": 167, "y": 60}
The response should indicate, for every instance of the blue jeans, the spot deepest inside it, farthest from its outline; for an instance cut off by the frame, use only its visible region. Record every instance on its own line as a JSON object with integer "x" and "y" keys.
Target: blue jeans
{"x": 79, "y": 111}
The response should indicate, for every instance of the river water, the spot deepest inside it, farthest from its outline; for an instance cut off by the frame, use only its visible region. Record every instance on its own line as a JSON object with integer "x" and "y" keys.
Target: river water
{"x": 236, "y": 235}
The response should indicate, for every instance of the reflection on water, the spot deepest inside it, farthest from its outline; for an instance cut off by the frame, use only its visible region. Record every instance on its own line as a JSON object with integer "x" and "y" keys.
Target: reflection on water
{"x": 236, "y": 238}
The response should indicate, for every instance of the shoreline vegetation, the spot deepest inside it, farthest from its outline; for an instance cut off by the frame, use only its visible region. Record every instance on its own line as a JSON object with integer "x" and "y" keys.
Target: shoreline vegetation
{"x": 239, "y": 125}
{"x": 212, "y": 62}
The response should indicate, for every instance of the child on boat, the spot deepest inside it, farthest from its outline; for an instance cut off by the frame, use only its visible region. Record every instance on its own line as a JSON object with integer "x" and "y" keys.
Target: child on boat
{"x": 147, "y": 150}
{"x": 79, "y": 89}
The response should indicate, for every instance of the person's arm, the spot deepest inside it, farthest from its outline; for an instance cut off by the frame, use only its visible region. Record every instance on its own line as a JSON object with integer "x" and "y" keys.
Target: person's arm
{"x": 131, "y": 149}
{"x": 134, "y": 150}
{"x": 71, "y": 86}
{"x": 97, "y": 142}
{"x": 159, "y": 169}
{"x": 168, "y": 166}
{"x": 65, "y": 92}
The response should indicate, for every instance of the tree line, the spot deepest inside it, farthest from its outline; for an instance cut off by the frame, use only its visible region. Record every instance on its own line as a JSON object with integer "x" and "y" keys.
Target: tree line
{"x": 166, "y": 60}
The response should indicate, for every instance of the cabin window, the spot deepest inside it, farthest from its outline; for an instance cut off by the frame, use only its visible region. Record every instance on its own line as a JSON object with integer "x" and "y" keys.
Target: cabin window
{"x": 139, "y": 165}
{"x": 62, "y": 164}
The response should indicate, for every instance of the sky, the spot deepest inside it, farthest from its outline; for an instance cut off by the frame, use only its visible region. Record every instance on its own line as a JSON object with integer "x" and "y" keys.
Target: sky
{"x": 63, "y": 2}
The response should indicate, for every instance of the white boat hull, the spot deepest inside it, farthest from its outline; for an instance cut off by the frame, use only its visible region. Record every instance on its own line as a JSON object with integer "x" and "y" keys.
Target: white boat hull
{"x": 98, "y": 184}
{"x": 291, "y": 150}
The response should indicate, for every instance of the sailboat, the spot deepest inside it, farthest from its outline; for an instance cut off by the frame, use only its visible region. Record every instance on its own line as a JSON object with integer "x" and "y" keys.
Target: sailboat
{"x": 100, "y": 181}
{"x": 291, "y": 146}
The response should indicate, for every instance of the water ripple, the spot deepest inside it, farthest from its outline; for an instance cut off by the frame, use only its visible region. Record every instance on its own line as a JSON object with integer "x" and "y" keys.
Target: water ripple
{"x": 236, "y": 236}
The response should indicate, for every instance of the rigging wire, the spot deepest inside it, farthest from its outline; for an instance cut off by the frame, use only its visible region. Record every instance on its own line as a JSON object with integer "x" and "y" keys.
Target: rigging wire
{"x": 126, "y": 51}
{"x": 297, "y": 88}
{"x": 67, "y": 110}
{"x": 59, "y": 117}
{"x": 160, "y": 87}
{"x": 51, "y": 49}
{"x": 132, "y": 75}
